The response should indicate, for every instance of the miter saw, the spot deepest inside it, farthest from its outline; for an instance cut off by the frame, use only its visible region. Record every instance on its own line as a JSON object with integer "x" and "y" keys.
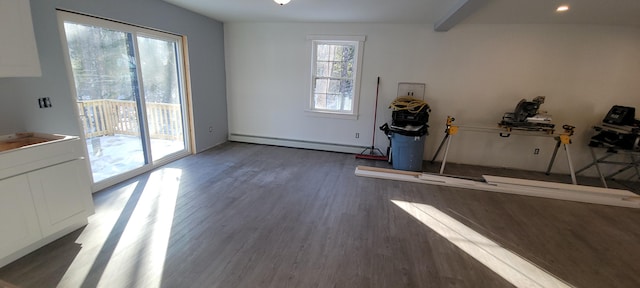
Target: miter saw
{"x": 526, "y": 117}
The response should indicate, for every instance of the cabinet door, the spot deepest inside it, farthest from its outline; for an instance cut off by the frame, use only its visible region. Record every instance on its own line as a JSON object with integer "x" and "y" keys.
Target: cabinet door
{"x": 18, "y": 51}
{"x": 60, "y": 195}
{"x": 18, "y": 221}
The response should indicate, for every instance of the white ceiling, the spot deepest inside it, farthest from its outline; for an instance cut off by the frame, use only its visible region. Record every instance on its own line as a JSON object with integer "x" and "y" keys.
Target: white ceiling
{"x": 602, "y": 12}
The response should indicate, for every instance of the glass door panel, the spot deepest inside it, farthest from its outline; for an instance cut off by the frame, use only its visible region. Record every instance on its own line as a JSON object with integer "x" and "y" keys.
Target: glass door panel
{"x": 107, "y": 92}
{"x": 162, "y": 93}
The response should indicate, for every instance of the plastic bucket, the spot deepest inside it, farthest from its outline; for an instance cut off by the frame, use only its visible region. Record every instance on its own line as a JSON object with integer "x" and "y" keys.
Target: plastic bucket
{"x": 407, "y": 152}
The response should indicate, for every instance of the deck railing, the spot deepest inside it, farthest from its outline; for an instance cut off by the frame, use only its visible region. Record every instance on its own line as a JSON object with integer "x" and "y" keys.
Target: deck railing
{"x": 110, "y": 117}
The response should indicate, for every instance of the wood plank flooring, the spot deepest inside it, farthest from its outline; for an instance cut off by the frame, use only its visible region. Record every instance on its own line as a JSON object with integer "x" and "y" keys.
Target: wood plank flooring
{"x": 244, "y": 215}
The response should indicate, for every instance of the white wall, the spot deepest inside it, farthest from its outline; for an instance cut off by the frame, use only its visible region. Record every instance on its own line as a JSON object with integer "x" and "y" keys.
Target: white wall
{"x": 473, "y": 72}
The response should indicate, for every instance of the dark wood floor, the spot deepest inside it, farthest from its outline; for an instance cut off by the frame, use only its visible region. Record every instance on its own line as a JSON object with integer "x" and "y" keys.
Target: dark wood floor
{"x": 243, "y": 215}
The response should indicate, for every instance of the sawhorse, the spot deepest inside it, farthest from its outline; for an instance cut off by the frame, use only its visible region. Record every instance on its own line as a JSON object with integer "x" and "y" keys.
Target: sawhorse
{"x": 563, "y": 139}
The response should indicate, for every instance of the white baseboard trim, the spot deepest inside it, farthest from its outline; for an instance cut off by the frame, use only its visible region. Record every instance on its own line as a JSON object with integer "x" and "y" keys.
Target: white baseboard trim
{"x": 207, "y": 148}
{"x": 343, "y": 148}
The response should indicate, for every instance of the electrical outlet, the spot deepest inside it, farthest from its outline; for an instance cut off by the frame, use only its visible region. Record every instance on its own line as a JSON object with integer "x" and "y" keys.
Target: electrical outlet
{"x": 44, "y": 102}
{"x": 357, "y": 135}
{"x": 536, "y": 151}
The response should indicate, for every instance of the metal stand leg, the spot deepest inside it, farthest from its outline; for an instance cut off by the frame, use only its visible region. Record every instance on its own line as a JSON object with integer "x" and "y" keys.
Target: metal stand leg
{"x": 444, "y": 159}
{"x": 451, "y": 130}
{"x": 632, "y": 164}
{"x": 553, "y": 158}
{"x": 635, "y": 165}
{"x": 595, "y": 162}
{"x": 446, "y": 136}
{"x": 573, "y": 174}
{"x": 620, "y": 171}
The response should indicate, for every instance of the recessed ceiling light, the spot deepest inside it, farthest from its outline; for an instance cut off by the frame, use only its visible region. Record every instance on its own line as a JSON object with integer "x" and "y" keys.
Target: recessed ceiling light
{"x": 562, "y": 8}
{"x": 282, "y": 2}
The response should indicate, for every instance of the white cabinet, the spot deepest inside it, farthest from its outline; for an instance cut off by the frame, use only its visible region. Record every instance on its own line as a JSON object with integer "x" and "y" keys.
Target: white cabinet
{"x": 18, "y": 50}
{"x": 45, "y": 193}
{"x": 59, "y": 195}
{"x": 19, "y": 225}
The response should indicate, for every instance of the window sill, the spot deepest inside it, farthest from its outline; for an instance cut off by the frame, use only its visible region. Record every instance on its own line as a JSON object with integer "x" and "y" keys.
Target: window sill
{"x": 328, "y": 114}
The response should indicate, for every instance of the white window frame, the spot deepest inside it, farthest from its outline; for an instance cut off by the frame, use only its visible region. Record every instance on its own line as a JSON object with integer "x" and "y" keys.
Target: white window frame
{"x": 358, "y": 42}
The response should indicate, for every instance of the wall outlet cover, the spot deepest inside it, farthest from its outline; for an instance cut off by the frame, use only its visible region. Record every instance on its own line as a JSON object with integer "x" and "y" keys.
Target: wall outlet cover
{"x": 415, "y": 90}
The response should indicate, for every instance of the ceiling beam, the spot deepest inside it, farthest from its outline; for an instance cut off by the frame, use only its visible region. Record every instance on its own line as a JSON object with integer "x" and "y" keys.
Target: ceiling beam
{"x": 461, "y": 10}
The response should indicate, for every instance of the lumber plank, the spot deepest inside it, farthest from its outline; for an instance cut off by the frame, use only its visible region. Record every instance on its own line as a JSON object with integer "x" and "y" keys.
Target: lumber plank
{"x": 447, "y": 179}
{"x": 523, "y": 190}
{"x": 387, "y": 176}
{"x": 386, "y": 170}
{"x": 578, "y": 196}
{"x": 496, "y": 180}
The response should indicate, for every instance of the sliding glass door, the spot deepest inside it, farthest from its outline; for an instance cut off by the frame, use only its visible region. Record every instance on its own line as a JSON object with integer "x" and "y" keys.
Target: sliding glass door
{"x": 130, "y": 94}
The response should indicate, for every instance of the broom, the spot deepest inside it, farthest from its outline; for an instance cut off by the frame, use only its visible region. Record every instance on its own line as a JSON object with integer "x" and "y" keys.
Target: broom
{"x": 372, "y": 152}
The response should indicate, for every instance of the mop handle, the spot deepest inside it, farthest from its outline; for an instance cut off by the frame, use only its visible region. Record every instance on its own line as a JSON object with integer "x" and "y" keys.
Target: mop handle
{"x": 375, "y": 115}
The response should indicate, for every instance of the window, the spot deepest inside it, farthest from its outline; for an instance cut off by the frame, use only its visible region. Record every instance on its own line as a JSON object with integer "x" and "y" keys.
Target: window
{"x": 335, "y": 74}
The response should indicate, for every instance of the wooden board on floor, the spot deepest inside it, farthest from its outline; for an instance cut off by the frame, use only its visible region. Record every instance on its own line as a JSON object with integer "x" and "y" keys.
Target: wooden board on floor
{"x": 554, "y": 185}
{"x": 619, "y": 198}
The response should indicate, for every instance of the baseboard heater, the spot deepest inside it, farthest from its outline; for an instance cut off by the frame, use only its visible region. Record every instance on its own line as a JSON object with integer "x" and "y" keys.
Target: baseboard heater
{"x": 295, "y": 143}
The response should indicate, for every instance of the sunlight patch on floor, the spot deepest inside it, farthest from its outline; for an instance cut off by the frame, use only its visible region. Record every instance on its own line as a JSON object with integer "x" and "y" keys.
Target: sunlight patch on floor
{"x": 141, "y": 251}
{"x": 513, "y": 268}
{"x": 93, "y": 238}
{"x": 136, "y": 254}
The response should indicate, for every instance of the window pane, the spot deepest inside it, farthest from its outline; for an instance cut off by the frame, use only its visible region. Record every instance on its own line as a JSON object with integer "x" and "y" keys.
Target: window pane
{"x": 323, "y": 52}
{"x": 320, "y": 101}
{"x": 338, "y": 86}
{"x": 347, "y": 103}
{"x": 100, "y": 61}
{"x": 322, "y": 69}
{"x": 321, "y": 85}
{"x": 344, "y": 60}
{"x": 346, "y": 87}
{"x": 334, "y": 86}
{"x": 334, "y": 101}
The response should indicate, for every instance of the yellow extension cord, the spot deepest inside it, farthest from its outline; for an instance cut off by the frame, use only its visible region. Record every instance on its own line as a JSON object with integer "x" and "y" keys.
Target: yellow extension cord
{"x": 410, "y": 104}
